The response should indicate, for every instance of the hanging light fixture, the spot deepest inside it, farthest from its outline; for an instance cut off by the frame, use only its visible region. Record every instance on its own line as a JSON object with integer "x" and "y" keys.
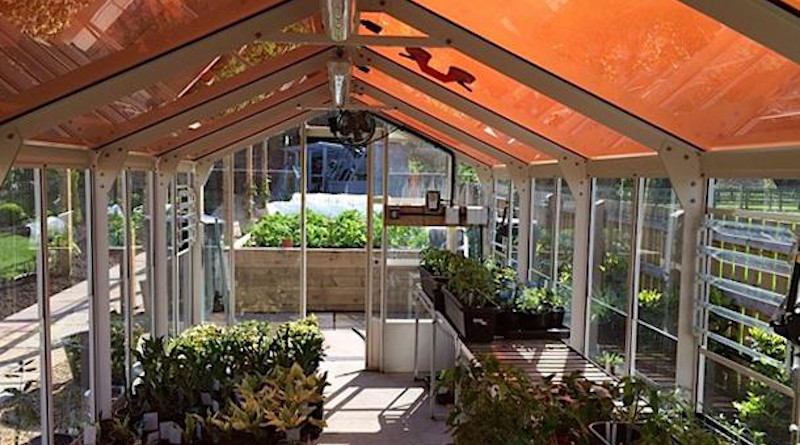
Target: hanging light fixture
{"x": 339, "y": 80}
{"x": 339, "y": 18}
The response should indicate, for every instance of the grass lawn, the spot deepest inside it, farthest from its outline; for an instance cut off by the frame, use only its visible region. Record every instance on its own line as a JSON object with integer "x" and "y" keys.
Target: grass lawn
{"x": 17, "y": 256}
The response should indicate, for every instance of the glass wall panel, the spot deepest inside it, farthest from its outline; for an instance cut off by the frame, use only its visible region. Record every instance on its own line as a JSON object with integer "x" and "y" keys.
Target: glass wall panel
{"x": 543, "y": 226}
{"x": 564, "y": 251}
{"x": 267, "y": 256}
{"x": 501, "y": 206}
{"x": 612, "y": 223}
{"x": 416, "y": 166}
{"x": 658, "y": 292}
{"x": 20, "y": 366}
{"x": 216, "y": 262}
{"x": 751, "y": 228}
{"x": 69, "y": 298}
{"x": 140, "y": 311}
{"x": 117, "y": 279}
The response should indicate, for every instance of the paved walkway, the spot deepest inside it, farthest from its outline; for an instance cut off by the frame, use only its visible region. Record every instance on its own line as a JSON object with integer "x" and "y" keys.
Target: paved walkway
{"x": 19, "y": 332}
{"x": 372, "y": 408}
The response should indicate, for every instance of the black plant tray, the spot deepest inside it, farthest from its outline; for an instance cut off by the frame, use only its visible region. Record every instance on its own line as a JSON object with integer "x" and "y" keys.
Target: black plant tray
{"x": 474, "y": 325}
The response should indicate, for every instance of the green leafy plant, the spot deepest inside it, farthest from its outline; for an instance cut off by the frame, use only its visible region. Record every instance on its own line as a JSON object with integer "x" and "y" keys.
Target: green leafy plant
{"x": 538, "y": 300}
{"x": 471, "y": 283}
{"x": 496, "y": 405}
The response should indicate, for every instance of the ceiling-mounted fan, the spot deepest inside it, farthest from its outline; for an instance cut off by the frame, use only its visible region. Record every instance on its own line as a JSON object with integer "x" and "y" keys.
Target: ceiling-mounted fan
{"x": 354, "y": 129}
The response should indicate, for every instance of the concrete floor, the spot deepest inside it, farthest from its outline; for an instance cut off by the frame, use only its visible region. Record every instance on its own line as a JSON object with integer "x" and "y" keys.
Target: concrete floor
{"x": 372, "y": 408}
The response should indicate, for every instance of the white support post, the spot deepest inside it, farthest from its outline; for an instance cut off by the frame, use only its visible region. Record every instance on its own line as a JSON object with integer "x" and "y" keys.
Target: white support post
{"x": 576, "y": 175}
{"x": 201, "y": 174}
{"x": 521, "y": 181}
{"x": 164, "y": 175}
{"x": 105, "y": 169}
{"x": 10, "y": 145}
{"x": 684, "y": 168}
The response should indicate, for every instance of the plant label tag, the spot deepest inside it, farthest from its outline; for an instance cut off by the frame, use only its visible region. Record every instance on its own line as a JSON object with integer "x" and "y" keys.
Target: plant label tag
{"x": 293, "y": 435}
{"x": 152, "y": 438}
{"x": 150, "y": 421}
{"x": 480, "y": 321}
{"x": 214, "y": 406}
{"x": 206, "y": 399}
{"x": 89, "y": 436}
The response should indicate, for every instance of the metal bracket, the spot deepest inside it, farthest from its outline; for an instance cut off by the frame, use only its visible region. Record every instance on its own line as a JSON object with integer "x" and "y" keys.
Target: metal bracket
{"x": 685, "y": 172}
{"x": 576, "y": 173}
{"x": 202, "y": 171}
{"x": 166, "y": 166}
{"x": 107, "y": 163}
{"x": 10, "y": 145}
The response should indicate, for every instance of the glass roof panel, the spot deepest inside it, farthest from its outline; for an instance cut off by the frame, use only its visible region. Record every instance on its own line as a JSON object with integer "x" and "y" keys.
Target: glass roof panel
{"x": 387, "y": 25}
{"x": 236, "y": 113}
{"x": 49, "y": 47}
{"x": 450, "y": 115}
{"x": 794, "y": 4}
{"x": 430, "y": 132}
{"x": 658, "y": 59}
{"x": 103, "y": 125}
{"x": 514, "y": 101}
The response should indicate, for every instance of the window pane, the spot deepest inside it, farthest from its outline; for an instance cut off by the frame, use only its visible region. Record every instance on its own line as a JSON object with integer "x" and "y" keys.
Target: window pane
{"x": 659, "y": 281}
{"x": 566, "y": 237}
{"x": 611, "y": 239}
{"x": 19, "y": 311}
{"x": 69, "y": 298}
{"x": 545, "y": 202}
{"x": 268, "y": 261}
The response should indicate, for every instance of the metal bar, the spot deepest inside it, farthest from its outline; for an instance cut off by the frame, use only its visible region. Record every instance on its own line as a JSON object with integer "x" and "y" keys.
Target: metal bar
{"x": 632, "y": 317}
{"x": 128, "y": 273}
{"x": 43, "y": 300}
{"x": 384, "y": 251}
{"x": 370, "y": 247}
{"x": 229, "y": 233}
{"x": 303, "y": 222}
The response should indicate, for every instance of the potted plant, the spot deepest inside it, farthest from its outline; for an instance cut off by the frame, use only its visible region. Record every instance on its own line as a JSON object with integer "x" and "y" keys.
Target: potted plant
{"x": 506, "y": 290}
{"x": 470, "y": 303}
{"x": 647, "y": 415}
{"x": 496, "y": 404}
{"x": 531, "y": 309}
{"x": 434, "y": 270}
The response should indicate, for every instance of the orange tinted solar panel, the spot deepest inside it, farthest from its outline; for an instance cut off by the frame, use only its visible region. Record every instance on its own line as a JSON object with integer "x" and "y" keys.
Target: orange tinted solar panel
{"x": 449, "y": 115}
{"x": 658, "y": 59}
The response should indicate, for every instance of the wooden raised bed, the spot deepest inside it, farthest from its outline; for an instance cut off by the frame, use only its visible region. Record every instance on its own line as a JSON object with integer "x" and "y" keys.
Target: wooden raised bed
{"x": 268, "y": 280}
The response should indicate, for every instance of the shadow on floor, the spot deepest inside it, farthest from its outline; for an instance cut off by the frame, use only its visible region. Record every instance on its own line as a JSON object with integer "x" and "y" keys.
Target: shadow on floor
{"x": 365, "y": 407}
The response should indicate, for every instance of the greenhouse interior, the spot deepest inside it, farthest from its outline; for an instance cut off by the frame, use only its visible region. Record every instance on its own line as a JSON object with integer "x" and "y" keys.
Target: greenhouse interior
{"x": 544, "y": 222}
